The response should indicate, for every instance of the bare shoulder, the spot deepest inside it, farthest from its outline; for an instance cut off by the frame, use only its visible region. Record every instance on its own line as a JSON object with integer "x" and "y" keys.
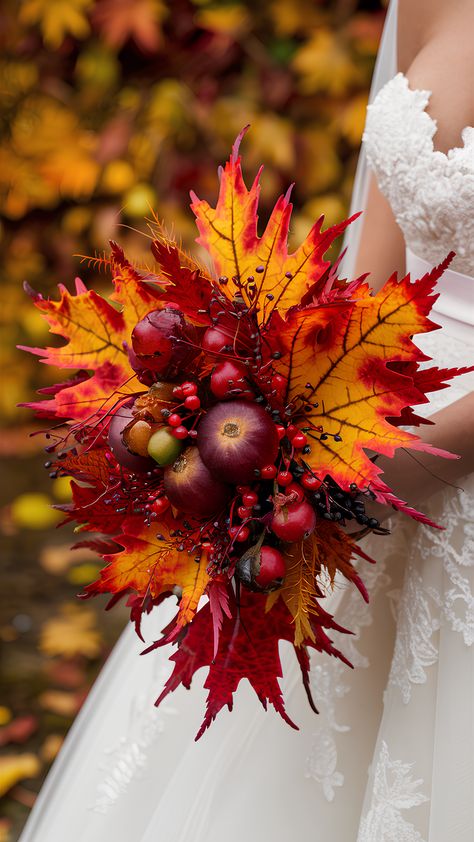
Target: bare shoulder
{"x": 435, "y": 51}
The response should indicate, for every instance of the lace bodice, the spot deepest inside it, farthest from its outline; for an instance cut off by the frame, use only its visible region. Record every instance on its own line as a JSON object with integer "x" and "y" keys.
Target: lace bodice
{"x": 431, "y": 193}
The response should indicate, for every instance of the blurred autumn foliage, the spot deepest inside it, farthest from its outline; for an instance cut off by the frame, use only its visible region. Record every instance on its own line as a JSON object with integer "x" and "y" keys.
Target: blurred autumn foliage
{"x": 112, "y": 108}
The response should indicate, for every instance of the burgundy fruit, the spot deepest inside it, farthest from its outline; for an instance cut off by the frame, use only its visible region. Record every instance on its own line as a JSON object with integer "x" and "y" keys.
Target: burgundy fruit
{"x": 294, "y": 522}
{"x": 272, "y": 567}
{"x": 261, "y": 568}
{"x": 229, "y": 380}
{"x": 214, "y": 340}
{"x": 160, "y": 341}
{"x": 236, "y": 439}
{"x": 120, "y": 420}
{"x": 191, "y": 487}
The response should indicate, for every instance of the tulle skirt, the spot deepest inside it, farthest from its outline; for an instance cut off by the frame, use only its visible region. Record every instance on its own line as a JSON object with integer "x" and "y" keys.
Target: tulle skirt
{"x": 390, "y": 758}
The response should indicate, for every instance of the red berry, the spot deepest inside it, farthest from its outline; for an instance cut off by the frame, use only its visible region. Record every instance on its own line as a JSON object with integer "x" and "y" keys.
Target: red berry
{"x": 297, "y": 492}
{"x": 310, "y": 482}
{"x": 192, "y": 402}
{"x": 193, "y": 434}
{"x": 281, "y": 431}
{"x": 239, "y": 533}
{"x": 244, "y": 512}
{"x": 189, "y": 389}
{"x": 272, "y": 566}
{"x": 174, "y": 419}
{"x": 228, "y": 380}
{"x": 284, "y": 478}
{"x": 279, "y": 383}
{"x": 294, "y": 522}
{"x": 249, "y": 499}
{"x": 268, "y": 472}
{"x": 160, "y": 505}
{"x": 180, "y": 432}
{"x": 299, "y": 440}
{"x": 178, "y": 392}
{"x": 291, "y": 431}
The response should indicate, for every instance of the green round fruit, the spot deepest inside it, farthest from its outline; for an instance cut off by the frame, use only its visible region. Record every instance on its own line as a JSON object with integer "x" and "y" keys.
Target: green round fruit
{"x": 164, "y": 448}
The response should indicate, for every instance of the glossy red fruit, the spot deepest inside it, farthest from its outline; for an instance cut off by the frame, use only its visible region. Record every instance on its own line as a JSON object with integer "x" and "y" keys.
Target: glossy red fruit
{"x": 296, "y": 491}
{"x": 239, "y": 533}
{"x": 243, "y": 512}
{"x": 160, "y": 505}
{"x": 174, "y": 420}
{"x": 235, "y": 439}
{"x": 294, "y": 522}
{"x": 188, "y": 389}
{"x": 158, "y": 341}
{"x": 279, "y": 383}
{"x": 192, "y": 402}
{"x": 268, "y": 472}
{"x": 120, "y": 419}
{"x": 228, "y": 380}
{"x": 310, "y": 483}
{"x": 249, "y": 499}
{"x": 214, "y": 340}
{"x": 272, "y": 567}
{"x": 190, "y": 486}
{"x": 180, "y": 432}
{"x": 299, "y": 440}
{"x": 284, "y": 478}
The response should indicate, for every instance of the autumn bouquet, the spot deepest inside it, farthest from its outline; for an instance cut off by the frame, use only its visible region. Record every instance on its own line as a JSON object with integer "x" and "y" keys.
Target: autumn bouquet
{"x": 222, "y": 433}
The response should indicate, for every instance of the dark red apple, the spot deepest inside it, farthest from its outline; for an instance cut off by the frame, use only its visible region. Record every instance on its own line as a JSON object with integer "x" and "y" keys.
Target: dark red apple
{"x": 229, "y": 380}
{"x": 190, "y": 486}
{"x": 294, "y": 522}
{"x": 161, "y": 343}
{"x": 261, "y": 568}
{"x": 235, "y": 439}
{"x": 132, "y": 461}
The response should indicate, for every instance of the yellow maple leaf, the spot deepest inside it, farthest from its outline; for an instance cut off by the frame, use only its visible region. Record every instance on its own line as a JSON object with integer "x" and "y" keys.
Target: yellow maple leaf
{"x": 57, "y": 18}
{"x": 71, "y": 633}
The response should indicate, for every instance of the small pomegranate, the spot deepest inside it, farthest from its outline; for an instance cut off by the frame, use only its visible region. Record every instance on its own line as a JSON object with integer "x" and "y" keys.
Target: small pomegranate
{"x": 294, "y": 522}
{"x": 191, "y": 487}
{"x": 121, "y": 419}
{"x": 228, "y": 380}
{"x": 159, "y": 341}
{"x": 235, "y": 439}
{"x": 261, "y": 568}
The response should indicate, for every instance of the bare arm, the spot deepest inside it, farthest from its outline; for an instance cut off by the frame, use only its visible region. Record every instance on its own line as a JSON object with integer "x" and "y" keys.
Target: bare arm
{"x": 415, "y": 476}
{"x": 382, "y": 247}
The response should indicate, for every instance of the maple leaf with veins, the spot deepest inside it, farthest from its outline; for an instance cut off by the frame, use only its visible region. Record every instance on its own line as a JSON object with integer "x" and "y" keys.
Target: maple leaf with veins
{"x": 248, "y": 648}
{"x": 229, "y": 233}
{"x": 97, "y": 335}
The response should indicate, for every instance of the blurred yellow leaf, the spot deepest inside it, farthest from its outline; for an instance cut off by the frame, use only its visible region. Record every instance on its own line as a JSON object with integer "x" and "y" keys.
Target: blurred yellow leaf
{"x": 351, "y": 120}
{"x": 5, "y": 715}
{"x": 82, "y": 574}
{"x": 324, "y": 64}
{"x": 62, "y": 489}
{"x": 16, "y": 767}
{"x": 58, "y": 558}
{"x": 318, "y": 164}
{"x": 140, "y": 200}
{"x": 118, "y": 176}
{"x": 292, "y": 16}
{"x": 32, "y": 510}
{"x": 71, "y": 633}
{"x": 271, "y": 141}
{"x": 57, "y": 18}
{"x": 5, "y": 827}
{"x": 60, "y": 702}
{"x": 229, "y": 20}
{"x": 50, "y": 748}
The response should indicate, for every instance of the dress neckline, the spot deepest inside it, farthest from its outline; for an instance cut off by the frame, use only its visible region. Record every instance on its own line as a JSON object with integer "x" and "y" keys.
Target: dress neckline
{"x": 421, "y": 97}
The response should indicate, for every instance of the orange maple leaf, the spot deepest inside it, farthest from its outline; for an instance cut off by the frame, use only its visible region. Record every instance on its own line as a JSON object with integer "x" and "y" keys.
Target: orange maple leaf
{"x": 229, "y": 233}
{"x": 150, "y": 564}
{"x": 97, "y": 334}
{"x": 337, "y": 361}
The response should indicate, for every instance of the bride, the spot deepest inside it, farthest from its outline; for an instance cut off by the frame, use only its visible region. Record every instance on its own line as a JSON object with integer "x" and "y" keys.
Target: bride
{"x": 391, "y": 755}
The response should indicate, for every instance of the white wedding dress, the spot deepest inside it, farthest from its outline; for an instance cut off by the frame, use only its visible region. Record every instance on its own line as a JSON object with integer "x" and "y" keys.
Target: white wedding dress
{"x": 390, "y": 758}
